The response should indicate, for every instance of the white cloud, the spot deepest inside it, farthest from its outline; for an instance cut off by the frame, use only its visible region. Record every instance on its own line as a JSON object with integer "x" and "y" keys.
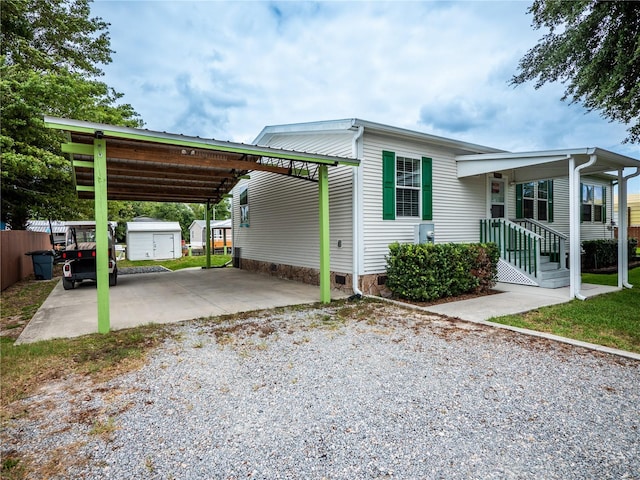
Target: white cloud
{"x": 227, "y": 69}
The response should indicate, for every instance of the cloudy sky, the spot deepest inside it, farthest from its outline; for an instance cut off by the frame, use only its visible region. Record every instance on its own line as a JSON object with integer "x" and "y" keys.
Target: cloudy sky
{"x": 224, "y": 70}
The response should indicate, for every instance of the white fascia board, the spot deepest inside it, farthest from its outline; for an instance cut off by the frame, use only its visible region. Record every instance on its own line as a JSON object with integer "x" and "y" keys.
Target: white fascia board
{"x": 153, "y": 227}
{"x": 607, "y": 160}
{"x": 471, "y": 167}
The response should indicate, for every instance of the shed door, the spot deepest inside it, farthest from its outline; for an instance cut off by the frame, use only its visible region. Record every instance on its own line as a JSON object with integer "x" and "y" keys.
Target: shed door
{"x": 163, "y": 246}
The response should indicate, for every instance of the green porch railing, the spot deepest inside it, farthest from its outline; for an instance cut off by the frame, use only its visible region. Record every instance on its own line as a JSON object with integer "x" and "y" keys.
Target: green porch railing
{"x": 518, "y": 246}
{"x": 553, "y": 243}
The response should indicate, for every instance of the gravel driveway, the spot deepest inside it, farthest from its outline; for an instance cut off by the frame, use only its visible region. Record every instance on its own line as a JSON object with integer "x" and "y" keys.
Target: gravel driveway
{"x": 369, "y": 390}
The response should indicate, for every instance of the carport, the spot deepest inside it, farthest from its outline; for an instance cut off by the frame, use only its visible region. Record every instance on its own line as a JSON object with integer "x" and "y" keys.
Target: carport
{"x": 122, "y": 163}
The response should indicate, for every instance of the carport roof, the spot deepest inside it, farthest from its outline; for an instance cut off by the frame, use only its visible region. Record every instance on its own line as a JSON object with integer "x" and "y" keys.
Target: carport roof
{"x": 155, "y": 166}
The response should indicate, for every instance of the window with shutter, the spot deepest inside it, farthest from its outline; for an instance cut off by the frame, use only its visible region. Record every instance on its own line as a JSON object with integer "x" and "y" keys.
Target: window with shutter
{"x": 535, "y": 200}
{"x": 407, "y": 187}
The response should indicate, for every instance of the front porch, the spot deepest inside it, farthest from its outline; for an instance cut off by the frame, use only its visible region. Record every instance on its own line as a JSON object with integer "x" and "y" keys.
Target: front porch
{"x": 532, "y": 253}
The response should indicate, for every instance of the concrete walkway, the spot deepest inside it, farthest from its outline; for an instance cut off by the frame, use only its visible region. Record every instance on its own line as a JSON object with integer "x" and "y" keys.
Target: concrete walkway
{"x": 141, "y": 299}
{"x": 513, "y": 299}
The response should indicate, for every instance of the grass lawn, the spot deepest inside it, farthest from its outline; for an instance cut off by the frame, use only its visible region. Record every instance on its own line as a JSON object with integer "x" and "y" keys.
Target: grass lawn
{"x": 612, "y": 319}
{"x": 179, "y": 263}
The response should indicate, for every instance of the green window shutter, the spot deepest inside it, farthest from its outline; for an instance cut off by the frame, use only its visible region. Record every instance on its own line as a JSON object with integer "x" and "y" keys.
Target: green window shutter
{"x": 427, "y": 188}
{"x": 550, "y": 201}
{"x": 388, "y": 185}
{"x": 604, "y": 204}
{"x": 519, "y": 200}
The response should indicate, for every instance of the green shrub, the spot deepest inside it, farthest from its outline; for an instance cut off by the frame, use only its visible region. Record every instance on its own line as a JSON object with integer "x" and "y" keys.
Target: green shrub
{"x": 604, "y": 253}
{"x": 426, "y": 272}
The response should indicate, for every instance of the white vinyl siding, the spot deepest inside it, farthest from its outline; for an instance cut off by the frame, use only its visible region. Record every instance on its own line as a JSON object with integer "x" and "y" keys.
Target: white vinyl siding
{"x": 338, "y": 144}
{"x": 284, "y": 211}
{"x": 196, "y": 236}
{"x": 457, "y": 204}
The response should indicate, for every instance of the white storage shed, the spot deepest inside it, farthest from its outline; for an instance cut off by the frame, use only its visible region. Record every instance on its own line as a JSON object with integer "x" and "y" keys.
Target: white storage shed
{"x": 154, "y": 240}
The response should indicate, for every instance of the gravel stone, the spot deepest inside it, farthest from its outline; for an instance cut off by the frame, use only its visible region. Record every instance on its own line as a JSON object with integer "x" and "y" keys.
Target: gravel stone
{"x": 148, "y": 269}
{"x": 310, "y": 393}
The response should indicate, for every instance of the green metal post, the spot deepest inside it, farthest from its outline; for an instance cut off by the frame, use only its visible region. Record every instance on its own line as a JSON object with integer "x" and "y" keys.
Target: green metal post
{"x": 102, "y": 234}
{"x": 208, "y": 234}
{"x": 325, "y": 264}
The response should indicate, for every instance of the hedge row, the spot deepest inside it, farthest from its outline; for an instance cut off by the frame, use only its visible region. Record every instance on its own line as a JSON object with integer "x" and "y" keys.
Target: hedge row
{"x": 426, "y": 272}
{"x": 604, "y": 253}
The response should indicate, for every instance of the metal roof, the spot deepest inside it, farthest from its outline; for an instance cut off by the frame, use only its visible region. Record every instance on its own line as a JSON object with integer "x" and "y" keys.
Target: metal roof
{"x": 155, "y": 166}
{"x": 543, "y": 164}
{"x": 43, "y": 226}
{"x": 214, "y": 223}
{"x": 458, "y": 147}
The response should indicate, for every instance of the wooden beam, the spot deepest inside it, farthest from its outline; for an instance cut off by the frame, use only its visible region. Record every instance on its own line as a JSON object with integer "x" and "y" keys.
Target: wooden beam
{"x": 200, "y": 158}
{"x": 162, "y": 189}
{"x": 142, "y": 181}
{"x": 167, "y": 173}
{"x": 161, "y": 198}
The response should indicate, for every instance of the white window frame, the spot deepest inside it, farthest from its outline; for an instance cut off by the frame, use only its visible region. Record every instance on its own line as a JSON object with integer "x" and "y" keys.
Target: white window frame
{"x": 592, "y": 202}
{"x": 418, "y": 163}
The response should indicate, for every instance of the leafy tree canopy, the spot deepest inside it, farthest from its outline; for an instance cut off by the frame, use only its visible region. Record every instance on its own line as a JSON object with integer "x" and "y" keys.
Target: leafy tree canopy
{"x": 50, "y": 57}
{"x": 593, "y": 47}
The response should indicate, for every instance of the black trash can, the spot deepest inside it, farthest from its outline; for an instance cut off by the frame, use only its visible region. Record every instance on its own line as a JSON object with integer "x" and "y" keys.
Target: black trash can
{"x": 42, "y": 264}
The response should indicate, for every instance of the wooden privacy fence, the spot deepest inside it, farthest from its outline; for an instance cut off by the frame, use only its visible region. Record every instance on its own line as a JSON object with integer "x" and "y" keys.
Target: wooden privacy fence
{"x": 15, "y": 265}
{"x": 632, "y": 232}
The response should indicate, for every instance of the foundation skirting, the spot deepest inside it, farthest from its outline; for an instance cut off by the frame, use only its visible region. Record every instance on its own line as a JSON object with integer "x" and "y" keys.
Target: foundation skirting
{"x": 369, "y": 284}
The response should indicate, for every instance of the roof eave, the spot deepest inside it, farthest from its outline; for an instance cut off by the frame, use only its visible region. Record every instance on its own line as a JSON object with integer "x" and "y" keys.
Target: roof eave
{"x": 345, "y": 125}
{"x": 79, "y": 126}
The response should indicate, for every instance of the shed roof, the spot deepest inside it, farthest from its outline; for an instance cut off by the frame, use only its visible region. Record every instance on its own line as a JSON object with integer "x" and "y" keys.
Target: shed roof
{"x": 156, "y": 166}
{"x": 214, "y": 223}
{"x": 153, "y": 227}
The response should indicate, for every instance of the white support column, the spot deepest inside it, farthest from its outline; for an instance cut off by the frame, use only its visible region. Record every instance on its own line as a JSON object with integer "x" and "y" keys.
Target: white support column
{"x": 623, "y": 229}
{"x": 622, "y": 226}
{"x": 574, "y": 230}
{"x": 574, "y": 225}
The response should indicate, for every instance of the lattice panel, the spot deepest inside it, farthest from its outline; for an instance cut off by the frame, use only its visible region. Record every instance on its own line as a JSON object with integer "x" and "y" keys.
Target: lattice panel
{"x": 509, "y": 274}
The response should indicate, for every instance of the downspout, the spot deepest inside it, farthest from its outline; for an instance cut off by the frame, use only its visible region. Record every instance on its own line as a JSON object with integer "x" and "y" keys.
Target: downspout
{"x": 355, "y": 212}
{"x": 623, "y": 229}
{"x": 574, "y": 174}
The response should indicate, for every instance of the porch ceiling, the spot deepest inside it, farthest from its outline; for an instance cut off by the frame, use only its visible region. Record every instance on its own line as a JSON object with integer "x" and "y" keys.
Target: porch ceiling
{"x": 161, "y": 167}
{"x": 544, "y": 164}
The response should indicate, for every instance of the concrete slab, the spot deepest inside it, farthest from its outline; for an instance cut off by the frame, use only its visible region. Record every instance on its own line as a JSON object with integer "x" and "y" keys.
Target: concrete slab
{"x": 513, "y": 299}
{"x": 146, "y": 298}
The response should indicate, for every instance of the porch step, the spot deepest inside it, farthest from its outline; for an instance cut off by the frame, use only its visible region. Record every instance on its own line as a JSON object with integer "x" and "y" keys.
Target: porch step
{"x": 547, "y": 266}
{"x": 554, "y": 278}
{"x": 555, "y": 283}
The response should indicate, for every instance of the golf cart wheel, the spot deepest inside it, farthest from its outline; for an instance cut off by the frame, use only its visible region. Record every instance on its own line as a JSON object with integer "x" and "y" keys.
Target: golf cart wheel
{"x": 113, "y": 278}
